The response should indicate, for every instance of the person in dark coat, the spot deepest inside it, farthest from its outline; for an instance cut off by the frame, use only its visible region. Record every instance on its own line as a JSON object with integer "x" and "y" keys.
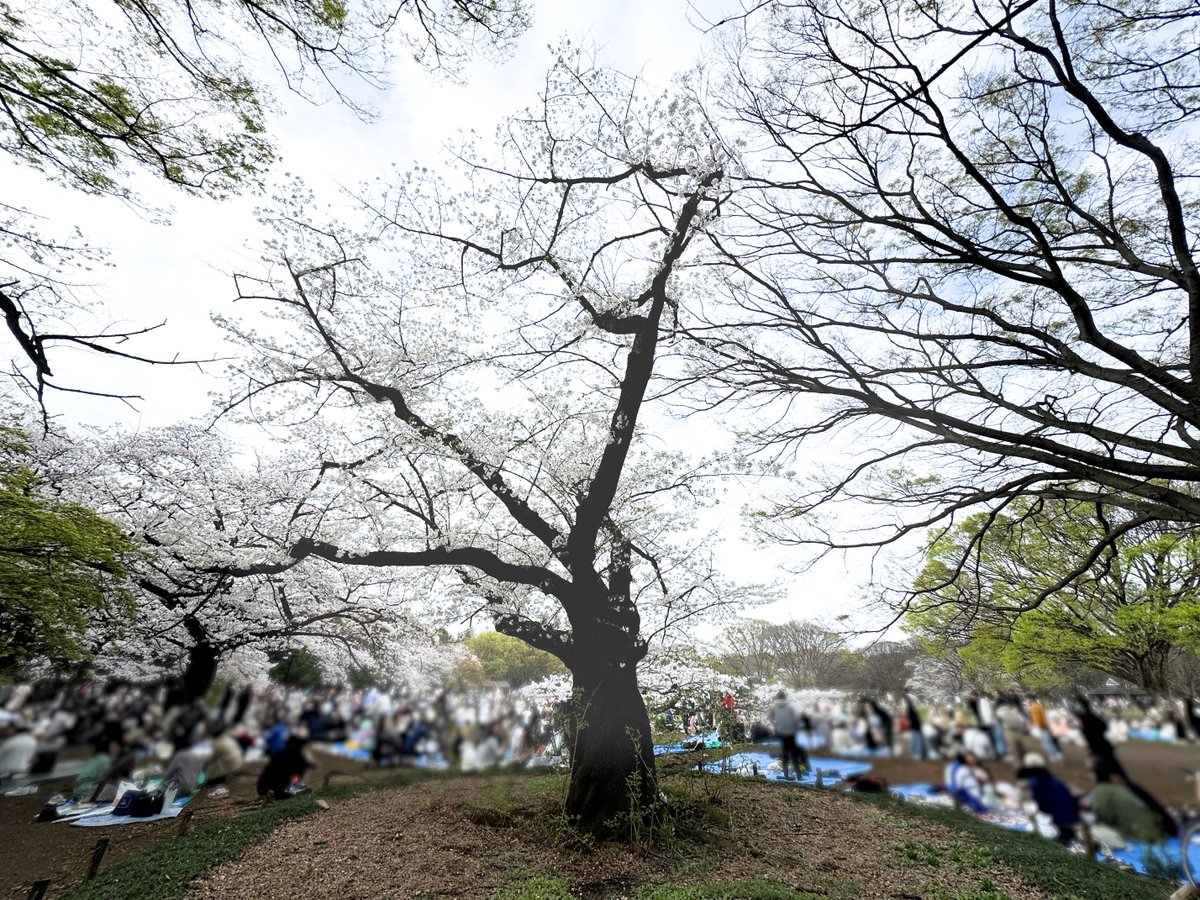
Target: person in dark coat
{"x": 285, "y": 766}
{"x": 919, "y": 750}
{"x": 1051, "y": 796}
{"x": 1095, "y": 731}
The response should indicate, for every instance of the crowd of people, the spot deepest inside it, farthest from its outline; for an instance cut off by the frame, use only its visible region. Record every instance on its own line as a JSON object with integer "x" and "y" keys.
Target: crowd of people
{"x": 143, "y": 736}
{"x": 1019, "y": 730}
{"x": 137, "y": 735}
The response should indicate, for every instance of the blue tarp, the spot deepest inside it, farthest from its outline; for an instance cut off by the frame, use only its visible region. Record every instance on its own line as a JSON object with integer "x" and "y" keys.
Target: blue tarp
{"x": 421, "y": 762}
{"x": 1133, "y": 854}
{"x": 832, "y": 770}
{"x": 108, "y": 819}
{"x": 709, "y": 737}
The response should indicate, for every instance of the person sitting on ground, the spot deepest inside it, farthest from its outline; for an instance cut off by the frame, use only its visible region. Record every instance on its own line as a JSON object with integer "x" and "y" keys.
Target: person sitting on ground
{"x": 286, "y": 768}
{"x": 124, "y": 753}
{"x": 963, "y": 782}
{"x": 17, "y": 752}
{"x": 106, "y": 747}
{"x": 1051, "y": 796}
{"x": 185, "y": 769}
{"x": 1119, "y": 807}
{"x": 226, "y": 759}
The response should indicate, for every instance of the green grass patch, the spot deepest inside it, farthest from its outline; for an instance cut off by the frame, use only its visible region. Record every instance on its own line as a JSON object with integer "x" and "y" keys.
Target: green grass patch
{"x": 536, "y": 887}
{"x": 1040, "y": 862}
{"x": 986, "y": 891}
{"x": 751, "y": 889}
{"x": 910, "y": 854}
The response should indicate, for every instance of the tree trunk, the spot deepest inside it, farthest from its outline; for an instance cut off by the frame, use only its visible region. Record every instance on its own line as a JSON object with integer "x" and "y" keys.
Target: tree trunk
{"x": 613, "y": 786}
{"x": 198, "y": 676}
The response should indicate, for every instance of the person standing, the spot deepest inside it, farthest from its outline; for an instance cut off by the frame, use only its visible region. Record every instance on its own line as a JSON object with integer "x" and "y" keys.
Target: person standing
{"x": 786, "y": 723}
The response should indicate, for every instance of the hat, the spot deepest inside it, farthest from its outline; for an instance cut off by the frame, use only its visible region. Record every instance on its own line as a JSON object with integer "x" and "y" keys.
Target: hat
{"x": 1033, "y": 761}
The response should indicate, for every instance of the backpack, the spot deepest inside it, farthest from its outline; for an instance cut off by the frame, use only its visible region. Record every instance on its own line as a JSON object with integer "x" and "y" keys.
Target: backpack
{"x": 125, "y": 804}
{"x": 147, "y": 804}
{"x": 867, "y": 784}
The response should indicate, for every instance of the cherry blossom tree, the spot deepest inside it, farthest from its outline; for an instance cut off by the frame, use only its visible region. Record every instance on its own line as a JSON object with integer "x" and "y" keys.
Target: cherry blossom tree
{"x": 214, "y": 582}
{"x": 481, "y": 361}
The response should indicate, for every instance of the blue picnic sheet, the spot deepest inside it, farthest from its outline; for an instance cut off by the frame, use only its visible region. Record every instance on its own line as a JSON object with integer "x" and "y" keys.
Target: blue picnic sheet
{"x": 1133, "y": 854}
{"x": 919, "y": 789}
{"x": 108, "y": 819}
{"x": 1149, "y": 734}
{"x": 832, "y": 770}
{"x": 424, "y": 761}
{"x": 710, "y": 739}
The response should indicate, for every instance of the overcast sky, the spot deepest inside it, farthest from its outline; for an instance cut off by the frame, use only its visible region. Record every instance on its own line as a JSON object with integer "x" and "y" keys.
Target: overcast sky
{"x": 179, "y": 272}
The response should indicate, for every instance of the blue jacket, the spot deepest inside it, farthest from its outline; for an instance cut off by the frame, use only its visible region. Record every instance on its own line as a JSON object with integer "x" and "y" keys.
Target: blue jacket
{"x": 1054, "y": 798}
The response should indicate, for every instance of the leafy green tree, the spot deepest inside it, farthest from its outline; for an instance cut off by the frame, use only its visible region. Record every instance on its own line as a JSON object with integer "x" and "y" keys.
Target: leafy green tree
{"x": 58, "y": 562}
{"x": 1038, "y": 591}
{"x": 297, "y": 667}
{"x": 503, "y": 658}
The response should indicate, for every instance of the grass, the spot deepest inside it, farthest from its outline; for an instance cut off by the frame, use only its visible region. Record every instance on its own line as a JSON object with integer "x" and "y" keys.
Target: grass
{"x": 910, "y": 854}
{"x": 1043, "y": 863}
{"x": 751, "y": 889}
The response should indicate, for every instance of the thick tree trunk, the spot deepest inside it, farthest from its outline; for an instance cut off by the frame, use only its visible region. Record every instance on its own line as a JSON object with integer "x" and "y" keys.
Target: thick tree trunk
{"x": 613, "y": 786}
{"x": 198, "y": 676}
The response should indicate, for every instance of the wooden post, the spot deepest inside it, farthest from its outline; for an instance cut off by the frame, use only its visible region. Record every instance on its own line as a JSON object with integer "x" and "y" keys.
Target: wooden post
{"x": 97, "y": 854}
{"x": 38, "y": 890}
{"x": 1089, "y": 843}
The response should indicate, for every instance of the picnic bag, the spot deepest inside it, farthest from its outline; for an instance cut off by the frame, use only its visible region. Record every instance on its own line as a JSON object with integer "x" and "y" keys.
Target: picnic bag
{"x": 147, "y": 804}
{"x": 125, "y": 804}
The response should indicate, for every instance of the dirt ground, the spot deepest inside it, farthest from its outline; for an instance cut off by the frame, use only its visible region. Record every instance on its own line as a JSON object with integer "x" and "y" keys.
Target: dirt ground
{"x": 454, "y": 839}
{"x": 30, "y": 851}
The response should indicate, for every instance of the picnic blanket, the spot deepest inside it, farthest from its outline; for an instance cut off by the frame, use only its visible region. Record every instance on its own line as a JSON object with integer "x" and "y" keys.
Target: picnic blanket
{"x": 424, "y": 761}
{"x": 1135, "y": 854}
{"x": 1150, "y": 734}
{"x": 102, "y": 819}
{"x": 1138, "y": 855}
{"x": 709, "y": 738}
{"x": 768, "y": 767}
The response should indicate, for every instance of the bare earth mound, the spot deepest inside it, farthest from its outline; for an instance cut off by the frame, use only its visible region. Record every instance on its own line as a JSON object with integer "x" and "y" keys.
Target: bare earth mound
{"x": 472, "y": 837}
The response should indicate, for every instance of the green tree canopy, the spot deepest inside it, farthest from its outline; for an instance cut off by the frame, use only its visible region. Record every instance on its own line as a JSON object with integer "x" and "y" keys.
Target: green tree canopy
{"x": 499, "y": 657}
{"x": 59, "y": 562}
{"x": 1122, "y": 594}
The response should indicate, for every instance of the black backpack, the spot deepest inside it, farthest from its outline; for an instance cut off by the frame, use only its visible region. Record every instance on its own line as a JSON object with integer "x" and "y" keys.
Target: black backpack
{"x": 147, "y": 804}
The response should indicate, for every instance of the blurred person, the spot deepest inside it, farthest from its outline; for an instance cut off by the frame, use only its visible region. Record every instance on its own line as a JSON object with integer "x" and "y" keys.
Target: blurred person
{"x": 978, "y": 742}
{"x": 17, "y": 751}
{"x": 226, "y": 759}
{"x": 1039, "y": 727}
{"x": 918, "y": 748}
{"x": 1117, "y": 806}
{"x": 1051, "y": 796}
{"x": 963, "y": 781}
{"x": 285, "y": 769}
{"x": 786, "y": 723}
